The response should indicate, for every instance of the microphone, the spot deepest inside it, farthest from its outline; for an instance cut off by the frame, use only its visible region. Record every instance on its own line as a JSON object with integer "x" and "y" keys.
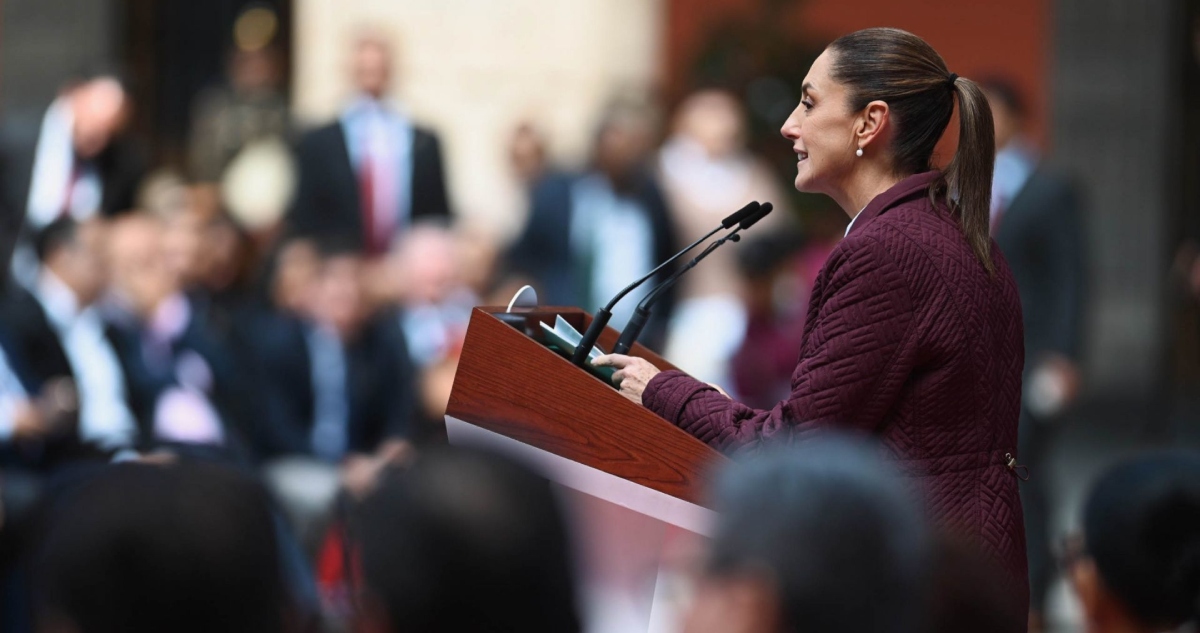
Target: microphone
{"x": 642, "y": 314}
{"x": 602, "y": 316}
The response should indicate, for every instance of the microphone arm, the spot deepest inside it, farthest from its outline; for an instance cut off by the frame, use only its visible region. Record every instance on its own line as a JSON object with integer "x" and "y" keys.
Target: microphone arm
{"x": 603, "y": 315}
{"x": 642, "y": 314}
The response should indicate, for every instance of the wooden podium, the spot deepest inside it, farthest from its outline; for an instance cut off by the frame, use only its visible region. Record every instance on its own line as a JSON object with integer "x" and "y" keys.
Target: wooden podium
{"x": 633, "y": 483}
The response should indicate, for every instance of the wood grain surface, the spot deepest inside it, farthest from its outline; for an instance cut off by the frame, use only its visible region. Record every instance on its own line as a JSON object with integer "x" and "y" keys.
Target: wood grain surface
{"x": 512, "y": 384}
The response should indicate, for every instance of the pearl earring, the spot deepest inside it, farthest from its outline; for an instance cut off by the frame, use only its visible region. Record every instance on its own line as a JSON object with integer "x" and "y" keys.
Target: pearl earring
{"x": 858, "y": 153}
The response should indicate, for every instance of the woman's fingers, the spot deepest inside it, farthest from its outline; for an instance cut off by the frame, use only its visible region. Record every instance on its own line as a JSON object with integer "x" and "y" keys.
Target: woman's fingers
{"x": 617, "y": 377}
{"x": 612, "y": 360}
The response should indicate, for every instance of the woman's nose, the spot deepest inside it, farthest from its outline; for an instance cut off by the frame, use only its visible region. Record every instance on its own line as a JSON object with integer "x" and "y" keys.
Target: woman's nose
{"x": 791, "y": 127}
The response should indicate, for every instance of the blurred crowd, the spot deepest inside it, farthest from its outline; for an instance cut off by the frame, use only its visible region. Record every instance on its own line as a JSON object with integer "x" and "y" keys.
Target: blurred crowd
{"x": 270, "y": 336}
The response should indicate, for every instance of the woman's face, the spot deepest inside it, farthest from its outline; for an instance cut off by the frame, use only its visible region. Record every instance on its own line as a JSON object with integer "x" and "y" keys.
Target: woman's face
{"x": 821, "y": 129}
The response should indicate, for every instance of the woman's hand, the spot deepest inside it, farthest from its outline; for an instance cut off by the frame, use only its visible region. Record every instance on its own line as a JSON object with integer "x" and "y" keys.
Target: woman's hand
{"x": 632, "y": 375}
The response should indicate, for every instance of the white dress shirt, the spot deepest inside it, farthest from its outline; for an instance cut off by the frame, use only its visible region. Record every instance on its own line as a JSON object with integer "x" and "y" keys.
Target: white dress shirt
{"x": 375, "y": 130}
{"x": 104, "y": 416}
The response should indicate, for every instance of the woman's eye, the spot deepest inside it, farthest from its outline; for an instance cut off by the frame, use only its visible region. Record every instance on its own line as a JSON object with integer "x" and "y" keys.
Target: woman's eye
{"x": 807, "y": 104}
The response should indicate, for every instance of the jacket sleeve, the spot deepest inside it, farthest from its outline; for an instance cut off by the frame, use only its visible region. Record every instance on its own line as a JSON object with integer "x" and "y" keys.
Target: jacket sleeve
{"x": 1064, "y": 266}
{"x": 858, "y": 352}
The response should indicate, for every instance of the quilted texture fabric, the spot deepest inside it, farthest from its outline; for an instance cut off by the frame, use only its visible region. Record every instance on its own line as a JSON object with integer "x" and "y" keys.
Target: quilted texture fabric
{"x": 910, "y": 339}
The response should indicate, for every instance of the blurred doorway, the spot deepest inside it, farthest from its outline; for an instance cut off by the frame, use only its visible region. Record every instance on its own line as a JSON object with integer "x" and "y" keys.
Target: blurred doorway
{"x": 175, "y": 50}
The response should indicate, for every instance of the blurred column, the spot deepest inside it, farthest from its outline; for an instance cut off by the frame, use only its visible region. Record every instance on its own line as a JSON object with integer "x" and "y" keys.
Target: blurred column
{"x": 42, "y": 42}
{"x": 1112, "y": 88}
{"x": 474, "y": 68}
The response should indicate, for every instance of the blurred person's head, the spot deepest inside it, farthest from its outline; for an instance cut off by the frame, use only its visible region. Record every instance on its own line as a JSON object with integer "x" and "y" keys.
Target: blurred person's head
{"x": 874, "y": 105}
{"x": 254, "y": 72}
{"x": 1008, "y": 108}
{"x": 99, "y": 107}
{"x": 75, "y": 252}
{"x": 142, "y": 275}
{"x": 140, "y": 548}
{"x": 426, "y": 264}
{"x": 624, "y": 138}
{"x": 714, "y": 120}
{"x": 293, "y": 271}
{"x": 761, "y": 264}
{"x": 465, "y": 541}
{"x": 1139, "y": 568}
{"x": 372, "y": 65}
{"x": 819, "y": 538}
{"x": 527, "y": 153}
{"x": 335, "y": 298}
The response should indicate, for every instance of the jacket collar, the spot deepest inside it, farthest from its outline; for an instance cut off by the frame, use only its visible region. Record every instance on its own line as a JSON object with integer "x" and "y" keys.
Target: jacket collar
{"x": 904, "y": 190}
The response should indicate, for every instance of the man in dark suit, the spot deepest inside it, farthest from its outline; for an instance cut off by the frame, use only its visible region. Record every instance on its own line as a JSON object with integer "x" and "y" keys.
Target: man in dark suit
{"x": 372, "y": 172}
{"x": 589, "y": 235}
{"x": 1036, "y": 222}
{"x": 53, "y": 331}
{"x": 339, "y": 393}
{"x": 72, "y": 161}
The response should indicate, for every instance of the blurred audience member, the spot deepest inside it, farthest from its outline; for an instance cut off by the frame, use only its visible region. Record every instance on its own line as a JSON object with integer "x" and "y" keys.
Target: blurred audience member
{"x": 226, "y": 119}
{"x": 762, "y": 365}
{"x": 55, "y": 331}
{"x": 75, "y": 163}
{"x": 527, "y": 155}
{"x": 1137, "y": 567}
{"x": 185, "y": 547}
{"x": 371, "y": 173}
{"x": 707, "y": 173}
{"x": 435, "y": 306}
{"x": 962, "y": 594}
{"x": 465, "y": 541}
{"x": 589, "y": 235}
{"x": 339, "y": 393}
{"x": 1036, "y": 222}
{"x": 823, "y": 538}
{"x": 185, "y": 384}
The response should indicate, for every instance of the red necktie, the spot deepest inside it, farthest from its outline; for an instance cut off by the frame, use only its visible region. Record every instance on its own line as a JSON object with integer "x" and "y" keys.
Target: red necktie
{"x": 366, "y": 191}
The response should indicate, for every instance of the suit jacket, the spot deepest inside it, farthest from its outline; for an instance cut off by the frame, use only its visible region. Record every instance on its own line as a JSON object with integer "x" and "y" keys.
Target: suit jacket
{"x": 543, "y": 250}
{"x": 327, "y": 195}
{"x": 910, "y": 339}
{"x": 1042, "y": 238}
{"x": 380, "y": 387}
{"x": 121, "y": 167}
{"x": 33, "y": 344}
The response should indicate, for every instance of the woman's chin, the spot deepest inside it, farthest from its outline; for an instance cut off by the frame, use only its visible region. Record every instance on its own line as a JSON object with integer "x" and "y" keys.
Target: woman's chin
{"x": 803, "y": 182}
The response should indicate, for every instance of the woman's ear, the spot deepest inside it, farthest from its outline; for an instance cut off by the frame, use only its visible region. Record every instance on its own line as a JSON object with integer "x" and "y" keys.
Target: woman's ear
{"x": 872, "y": 124}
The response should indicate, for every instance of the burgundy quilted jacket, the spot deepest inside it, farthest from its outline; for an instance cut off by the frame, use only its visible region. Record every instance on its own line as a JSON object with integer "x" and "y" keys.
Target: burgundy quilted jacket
{"x": 910, "y": 339}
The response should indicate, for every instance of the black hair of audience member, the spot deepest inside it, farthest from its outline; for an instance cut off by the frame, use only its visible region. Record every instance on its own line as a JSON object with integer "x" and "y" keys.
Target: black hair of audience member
{"x": 763, "y": 254}
{"x": 187, "y": 547}
{"x": 963, "y": 594}
{"x": 839, "y": 535}
{"x": 336, "y": 245}
{"x": 54, "y": 236}
{"x": 465, "y": 540}
{"x": 1004, "y": 90}
{"x": 1142, "y": 529}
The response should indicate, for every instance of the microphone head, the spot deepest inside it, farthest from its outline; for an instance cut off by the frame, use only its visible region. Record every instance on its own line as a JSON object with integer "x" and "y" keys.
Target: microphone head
{"x": 766, "y": 208}
{"x": 739, "y": 216}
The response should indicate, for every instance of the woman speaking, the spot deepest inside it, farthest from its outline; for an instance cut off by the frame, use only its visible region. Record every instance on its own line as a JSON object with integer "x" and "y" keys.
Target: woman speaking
{"x": 914, "y": 325}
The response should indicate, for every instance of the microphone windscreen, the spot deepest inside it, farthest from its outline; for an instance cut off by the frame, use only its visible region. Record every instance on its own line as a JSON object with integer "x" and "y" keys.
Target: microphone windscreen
{"x": 737, "y": 217}
{"x": 762, "y": 213}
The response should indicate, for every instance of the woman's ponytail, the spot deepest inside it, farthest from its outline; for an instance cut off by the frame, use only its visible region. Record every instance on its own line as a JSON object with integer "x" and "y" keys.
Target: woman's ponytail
{"x": 969, "y": 175}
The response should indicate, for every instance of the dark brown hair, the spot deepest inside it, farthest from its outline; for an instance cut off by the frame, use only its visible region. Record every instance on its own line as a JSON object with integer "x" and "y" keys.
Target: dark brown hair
{"x": 902, "y": 70}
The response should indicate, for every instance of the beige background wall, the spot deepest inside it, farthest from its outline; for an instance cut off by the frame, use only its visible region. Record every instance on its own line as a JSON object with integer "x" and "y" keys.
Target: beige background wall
{"x": 474, "y": 68}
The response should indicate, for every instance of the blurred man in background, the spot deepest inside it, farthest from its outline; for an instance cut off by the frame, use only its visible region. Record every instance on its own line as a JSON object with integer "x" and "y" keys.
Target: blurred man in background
{"x": 339, "y": 393}
{"x": 373, "y": 172}
{"x": 55, "y": 331}
{"x": 1036, "y": 222}
{"x": 589, "y": 235}
{"x": 76, "y": 163}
